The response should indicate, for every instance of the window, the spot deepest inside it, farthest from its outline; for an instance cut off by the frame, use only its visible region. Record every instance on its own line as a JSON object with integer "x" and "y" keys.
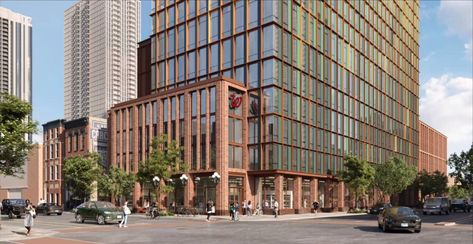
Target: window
{"x": 191, "y": 65}
{"x": 191, "y": 8}
{"x": 214, "y": 52}
{"x": 202, "y": 61}
{"x": 181, "y": 8}
{"x": 239, "y": 49}
{"x": 171, "y": 17}
{"x": 271, "y": 72}
{"x": 202, "y": 6}
{"x": 214, "y": 26}
{"x": 171, "y": 72}
{"x": 227, "y": 54}
{"x": 181, "y": 39}
{"x": 181, "y": 68}
{"x": 271, "y": 11}
{"x": 227, "y": 21}
{"x": 161, "y": 46}
{"x": 240, "y": 13}
{"x": 254, "y": 46}
{"x": 254, "y": 75}
{"x": 272, "y": 36}
{"x": 203, "y": 30}
{"x": 253, "y": 6}
{"x": 191, "y": 41}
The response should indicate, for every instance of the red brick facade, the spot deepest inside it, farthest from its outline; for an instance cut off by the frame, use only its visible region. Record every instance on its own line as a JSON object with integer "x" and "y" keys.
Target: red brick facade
{"x": 433, "y": 149}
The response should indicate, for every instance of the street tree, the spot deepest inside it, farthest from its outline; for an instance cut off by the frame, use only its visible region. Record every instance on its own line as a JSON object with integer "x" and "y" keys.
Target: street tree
{"x": 432, "y": 184}
{"x": 458, "y": 192}
{"x": 116, "y": 183}
{"x": 164, "y": 161}
{"x": 81, "y": 174}
{"x": 15, "y": 125}
{"x": 394, "y": 176}
{"x": 462, "y": 166}
{"x": 358, "y": 176}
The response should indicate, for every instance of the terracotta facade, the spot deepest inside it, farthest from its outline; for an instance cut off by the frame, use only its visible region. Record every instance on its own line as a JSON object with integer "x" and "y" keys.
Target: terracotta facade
{"x": 433, "y": 149}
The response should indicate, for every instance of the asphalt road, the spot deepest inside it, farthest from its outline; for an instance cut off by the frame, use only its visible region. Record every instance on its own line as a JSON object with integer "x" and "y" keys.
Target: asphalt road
{"x": 349, "y": 229}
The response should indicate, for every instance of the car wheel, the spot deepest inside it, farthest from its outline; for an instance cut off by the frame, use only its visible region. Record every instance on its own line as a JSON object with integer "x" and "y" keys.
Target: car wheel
{"x": 100, "y": 220}
{"x": 59, "y": 214}
{"x": 417, "y": 230}
{"x": 79, "y": 218}
{"x": 18, "y": 216}
{"x": 48, "y": 214}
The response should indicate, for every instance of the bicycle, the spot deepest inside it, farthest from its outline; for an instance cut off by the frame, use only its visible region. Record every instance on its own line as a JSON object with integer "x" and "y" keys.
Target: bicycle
{"x": 153, "y": 213}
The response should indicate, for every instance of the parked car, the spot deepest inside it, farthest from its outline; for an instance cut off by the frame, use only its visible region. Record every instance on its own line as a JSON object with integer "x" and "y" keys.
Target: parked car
{"x": 102, "y": 212}
{"x": 460, "y": 204}
{"x": 379, "y": 207}
{"x": 399, "y": 218}
{"x": 49, "y": 208}
{"x": 13, "y": 207}
{"x": 436, "y": 205}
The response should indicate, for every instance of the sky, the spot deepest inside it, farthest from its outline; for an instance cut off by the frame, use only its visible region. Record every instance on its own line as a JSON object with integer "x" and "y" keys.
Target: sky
{"x": 445, "y": 63}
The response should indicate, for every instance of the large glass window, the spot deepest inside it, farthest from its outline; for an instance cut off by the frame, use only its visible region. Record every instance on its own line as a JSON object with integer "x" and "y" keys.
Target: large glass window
{"x": 181, "y": 68}
{"x": 271, "y": 72}
{"x": 203, "y": 30}
{"x": 171, "y": 42}
{"x": 272, "y": 36}
{"x": 254, "y": 45}
{"x": 240, "y": 49}
{"x": 227, "y": 21}
{"x": 214, "y": 26}
{"x": 202, "y": 61}
{"x": 181, "y": 8}
{"x": 227, "y": 54}
{"x": 271, "y": 11}
{"x": 192, "y": 35}
{"x": 254, "y": 75}
{"x": 191, "y": 65}
{"x": 171, "y": 72}
{"x": 240, "y": 15}
{"x": 181, "y": 39}
{"x": 253, "y": 20}
{"x": 171, "y": 17}
{"x": 202, "y": 6}
{"x": 214, "y": 52}
{"x": 161, "y": 46}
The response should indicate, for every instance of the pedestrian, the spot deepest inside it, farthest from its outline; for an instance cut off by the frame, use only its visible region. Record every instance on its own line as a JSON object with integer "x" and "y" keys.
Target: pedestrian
{"x": 126, "y": 212}
{"x": 244, "y": 207}
{"x": 266, "y": 204}
{"x": 315, "y": 205}
{"x": 30, "y": 213}
{"x": 236, "y": 212}
{"x": 276, "y": 208}
{"x": 248, "y": 208}
{"x": 210, "y": 210}
{"x": 232, "y": 210}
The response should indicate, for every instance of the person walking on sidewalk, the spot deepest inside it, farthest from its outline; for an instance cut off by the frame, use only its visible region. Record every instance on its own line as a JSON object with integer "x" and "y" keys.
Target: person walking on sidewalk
{"x": 30, "y": 213}
{"x": 210, "y": 209}
{"x": 232, "y": 211}
{"x": 315, "y": 205}
{"x": 276, "y": 208}
{"x": 248, "y": 208}
{"x": 126, "y": 212}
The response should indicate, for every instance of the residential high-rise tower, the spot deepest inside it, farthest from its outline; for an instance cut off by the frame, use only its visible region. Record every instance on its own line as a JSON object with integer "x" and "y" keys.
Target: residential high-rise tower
{"x": 100, "y": 56}
{"x": 16, "y": 35}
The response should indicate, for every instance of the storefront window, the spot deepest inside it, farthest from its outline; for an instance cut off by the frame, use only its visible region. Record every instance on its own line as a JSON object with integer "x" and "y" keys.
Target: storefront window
{"x": 288, "y": 192}
{"x": 306, "y": 193}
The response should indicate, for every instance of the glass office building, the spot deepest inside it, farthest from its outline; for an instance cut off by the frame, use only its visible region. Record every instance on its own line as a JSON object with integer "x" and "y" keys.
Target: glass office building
{"x": 273, "y": 94}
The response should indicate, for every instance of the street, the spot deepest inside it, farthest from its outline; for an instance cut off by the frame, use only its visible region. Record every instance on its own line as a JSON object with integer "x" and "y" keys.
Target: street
{"x": 346, "y": 229}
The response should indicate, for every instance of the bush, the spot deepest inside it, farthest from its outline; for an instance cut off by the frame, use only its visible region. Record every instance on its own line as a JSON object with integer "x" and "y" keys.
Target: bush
{"x": 166, "y": 213}
{"x": 357, "y": 210}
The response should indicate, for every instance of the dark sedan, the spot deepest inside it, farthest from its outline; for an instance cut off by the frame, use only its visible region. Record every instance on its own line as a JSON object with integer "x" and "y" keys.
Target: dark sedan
{"x": 102, "y": 212}
{"x": 13, "y": 207}
{"x": 399, "y": 218}
{"x": 49, "y": 208}
{"x": 379, "y": 207}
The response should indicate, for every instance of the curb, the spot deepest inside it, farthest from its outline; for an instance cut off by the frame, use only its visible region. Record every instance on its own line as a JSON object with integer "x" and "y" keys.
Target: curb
{"x": 445, "y": 223}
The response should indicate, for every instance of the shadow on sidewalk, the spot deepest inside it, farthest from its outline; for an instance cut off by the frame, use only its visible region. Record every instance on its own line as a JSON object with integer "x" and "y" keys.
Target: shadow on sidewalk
{"x": 19, "y": 232}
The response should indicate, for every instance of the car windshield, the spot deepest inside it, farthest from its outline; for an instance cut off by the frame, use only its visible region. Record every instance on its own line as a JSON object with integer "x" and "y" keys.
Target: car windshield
{"x": 104, "y": 205}
{"x": 432, "y": 201}
{"x": 17, "y": 201}
{"x": 456, "y": 201}
{"x": 404, "y": 211}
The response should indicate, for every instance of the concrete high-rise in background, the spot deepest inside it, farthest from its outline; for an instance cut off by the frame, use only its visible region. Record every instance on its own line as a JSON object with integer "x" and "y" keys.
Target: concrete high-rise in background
{"x": 15, "y": 54}
{"x": 100, "y": 56}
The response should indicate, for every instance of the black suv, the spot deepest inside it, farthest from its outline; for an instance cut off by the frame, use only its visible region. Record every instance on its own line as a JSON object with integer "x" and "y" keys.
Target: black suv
{"x": 13, "y": 207}
{"x": 459, "y": 204}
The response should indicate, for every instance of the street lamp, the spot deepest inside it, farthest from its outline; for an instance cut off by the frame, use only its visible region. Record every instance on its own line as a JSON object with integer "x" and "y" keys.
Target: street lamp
{"x": 215, "y": 177}
{"x": 184, "y": 179}
{"x": 197, "y": 180}
{"x": 156, "y": 181}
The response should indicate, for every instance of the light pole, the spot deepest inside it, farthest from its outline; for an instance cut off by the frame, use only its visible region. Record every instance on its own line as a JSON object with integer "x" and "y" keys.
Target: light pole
{"x": 156, "y": 181}
{"x": 184, "y": 179}
{"x": 215, "y": 177}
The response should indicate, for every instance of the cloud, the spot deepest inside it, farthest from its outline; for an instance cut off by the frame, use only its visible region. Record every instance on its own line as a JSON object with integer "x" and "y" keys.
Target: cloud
{"x": 446, "y": 105}
{"x": 458, "y": 17}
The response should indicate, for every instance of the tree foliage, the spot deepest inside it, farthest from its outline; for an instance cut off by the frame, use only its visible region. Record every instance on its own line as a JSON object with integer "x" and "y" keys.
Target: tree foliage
{"x": 116, "y": 183}
{"x": 164, "y": 161}
{"x": 462, "y": 168}
{"x": 81, "y": 173}
{"x": 358, "y": 175}
{"x": 458, "y": 192}
{"x": 15, "y": 124}
{"x": 394, "y": 176}
{"x": 435, "y": 183}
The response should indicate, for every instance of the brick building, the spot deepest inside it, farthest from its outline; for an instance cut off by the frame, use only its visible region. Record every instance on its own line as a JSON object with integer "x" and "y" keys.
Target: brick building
{"x": 272, "y": 95}
{"x": 65, "y": 139}
{"x": 432, "y": 149}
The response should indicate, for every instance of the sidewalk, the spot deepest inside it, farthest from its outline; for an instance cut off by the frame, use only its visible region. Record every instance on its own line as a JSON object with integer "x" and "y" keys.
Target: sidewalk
{"x": 15, "y": 233}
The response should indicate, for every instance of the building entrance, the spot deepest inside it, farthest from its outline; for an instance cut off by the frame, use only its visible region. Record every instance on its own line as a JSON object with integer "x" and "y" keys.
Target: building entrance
{"x": 235, "y": 190}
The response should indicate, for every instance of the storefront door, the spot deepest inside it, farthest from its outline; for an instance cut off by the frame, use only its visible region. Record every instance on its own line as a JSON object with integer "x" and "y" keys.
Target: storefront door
{"x": 235, "y": 191}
